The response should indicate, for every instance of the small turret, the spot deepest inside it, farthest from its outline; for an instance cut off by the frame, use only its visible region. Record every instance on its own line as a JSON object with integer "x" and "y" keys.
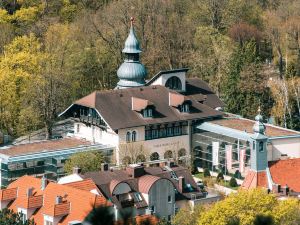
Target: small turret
{"x": 259, "y": 159}
{"x": 131, "y": 73}
{"x": 259, "y": 127}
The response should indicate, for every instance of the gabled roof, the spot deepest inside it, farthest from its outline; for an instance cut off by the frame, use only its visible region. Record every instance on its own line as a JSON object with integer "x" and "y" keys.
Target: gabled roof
{"x": 75, "y": 206}
{"x": 286, "y": 172}
{"x": 115, "y": 106}
{"x": 255, "y": 179}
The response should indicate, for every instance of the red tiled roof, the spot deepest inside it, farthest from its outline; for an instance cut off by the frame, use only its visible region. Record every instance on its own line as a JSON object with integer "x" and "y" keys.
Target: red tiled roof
{"x": 286, "y": 172}
{"x": 247, "y": 125}
{"x": 8, "y": 194}
{"x": 86, "y": 184}
{"x": 50, "y": 145}
{"x": 146, "y": 218}
{"x": 138, "y": 104}
{"x": 58, "y": 209}
{"x": 145, "y": 182}
{"x": 255, "y": 179}
{"x": 76, "y": 204}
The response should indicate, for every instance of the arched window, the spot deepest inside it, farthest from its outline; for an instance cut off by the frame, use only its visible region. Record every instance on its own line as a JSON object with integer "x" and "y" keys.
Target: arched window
{"x": 168, "y": 154}
{"x": 174, "y": 83}
{"x": 133, "y": 136}
{"x": 141, "y": 158}
{"x": 261, "y": 146}
{"x": 154, "y": 156}
{"x": 128, "y": 136}
{"x": 181, "y": 152}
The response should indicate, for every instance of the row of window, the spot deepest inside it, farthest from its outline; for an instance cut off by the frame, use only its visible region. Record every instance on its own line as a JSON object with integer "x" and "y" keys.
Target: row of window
{"x": 162, "y": 132}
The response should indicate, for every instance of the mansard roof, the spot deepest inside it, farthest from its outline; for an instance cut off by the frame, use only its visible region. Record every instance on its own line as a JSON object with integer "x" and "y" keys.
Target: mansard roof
{"x": 115, "y": 106}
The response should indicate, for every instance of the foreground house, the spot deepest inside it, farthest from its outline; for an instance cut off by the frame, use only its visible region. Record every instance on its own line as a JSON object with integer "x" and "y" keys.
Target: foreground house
{"x": 159, "y": 190}
{"x": 48, "y": 203}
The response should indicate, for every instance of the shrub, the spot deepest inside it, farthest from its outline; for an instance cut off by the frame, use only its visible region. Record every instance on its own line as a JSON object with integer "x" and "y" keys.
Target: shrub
{"x": 233, "y": 182}
{"x": 220, "y": 177}
{"x": 237, "y": 174}
{"x": 206, "y": 173}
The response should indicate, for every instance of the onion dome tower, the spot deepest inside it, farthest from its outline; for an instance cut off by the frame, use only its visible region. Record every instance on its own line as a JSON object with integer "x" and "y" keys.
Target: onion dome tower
{"x": 131, "y": 73}
{"x": 259, "y": 155}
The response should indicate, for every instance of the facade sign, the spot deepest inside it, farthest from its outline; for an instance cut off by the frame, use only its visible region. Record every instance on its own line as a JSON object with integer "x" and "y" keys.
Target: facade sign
{"x": 215, "y": 156}
{"x": 228, "y": 149}
{"x": 242, "y": 160}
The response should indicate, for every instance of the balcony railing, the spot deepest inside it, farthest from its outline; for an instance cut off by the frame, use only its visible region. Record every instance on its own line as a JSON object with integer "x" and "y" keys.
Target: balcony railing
{"x": 93, "y": 121}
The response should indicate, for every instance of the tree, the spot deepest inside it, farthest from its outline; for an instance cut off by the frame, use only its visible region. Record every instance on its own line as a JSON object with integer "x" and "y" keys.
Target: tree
{"x": 181, "y": 217}
{"x": 206, "y": 172}
{"x": 233, "y": 182}
{"x": 9, "y": 217}
{"x": 86, "y": 161}
{"x": 220, "y": 177}
{"x": 133, "y": 152}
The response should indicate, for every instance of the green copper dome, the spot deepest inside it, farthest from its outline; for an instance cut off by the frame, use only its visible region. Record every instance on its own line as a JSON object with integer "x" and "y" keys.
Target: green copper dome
{"x": 132, "y": 44}
{"x": 131, "y": 73}
{"x": 259, "y": 127}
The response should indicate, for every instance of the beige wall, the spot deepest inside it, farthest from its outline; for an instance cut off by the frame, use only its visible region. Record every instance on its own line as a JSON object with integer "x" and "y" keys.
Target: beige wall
{"x": 289, "y": 146}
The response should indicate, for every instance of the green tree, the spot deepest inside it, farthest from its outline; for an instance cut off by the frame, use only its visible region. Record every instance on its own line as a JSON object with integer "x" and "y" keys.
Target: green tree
{"x": 233, "y": 182}
{"x": 181, "y": 217}
{"x": 9, "y": 217}
{"x": 86, "y": 161}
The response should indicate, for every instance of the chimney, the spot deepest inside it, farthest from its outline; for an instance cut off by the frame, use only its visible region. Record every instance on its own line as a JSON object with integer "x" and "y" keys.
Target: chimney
{"x": 181, "y": 184}
{"x": 276, "y": 188}
{"x": 104, "y": 167}
{"x": 58, "y": 200}
{"x": 44, "y": 182}
{"x": 285, "y": 190}
{"x": 76, "y": 170}
{"x": 29, "y": 192}
{"x": 135, "y": 171}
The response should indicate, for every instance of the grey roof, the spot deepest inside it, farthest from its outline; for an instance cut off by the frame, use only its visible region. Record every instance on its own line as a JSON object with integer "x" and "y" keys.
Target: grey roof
{"x": 115, "y": 107}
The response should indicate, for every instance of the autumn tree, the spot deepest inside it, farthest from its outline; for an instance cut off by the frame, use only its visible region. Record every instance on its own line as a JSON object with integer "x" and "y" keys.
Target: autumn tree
{"x": 86, "y": 161}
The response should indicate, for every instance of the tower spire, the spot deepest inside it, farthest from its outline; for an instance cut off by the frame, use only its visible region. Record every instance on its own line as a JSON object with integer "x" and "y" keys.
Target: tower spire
{"x": 131, "y": 73}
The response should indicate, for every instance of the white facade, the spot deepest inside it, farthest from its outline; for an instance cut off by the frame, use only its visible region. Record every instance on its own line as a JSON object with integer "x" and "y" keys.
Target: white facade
{"x": 162, "y": 79}
{"x": 284, "y": 146}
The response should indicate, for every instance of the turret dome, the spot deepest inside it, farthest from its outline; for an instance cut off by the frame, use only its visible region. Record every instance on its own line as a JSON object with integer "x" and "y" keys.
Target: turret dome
{"x": 131, "y": 73}
{"x": 259, "y": 127}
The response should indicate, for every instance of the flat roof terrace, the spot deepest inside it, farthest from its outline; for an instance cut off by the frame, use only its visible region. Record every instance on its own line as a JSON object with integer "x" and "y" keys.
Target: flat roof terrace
{"x": 49, "y": 148}
{"x": 246, "y": 125}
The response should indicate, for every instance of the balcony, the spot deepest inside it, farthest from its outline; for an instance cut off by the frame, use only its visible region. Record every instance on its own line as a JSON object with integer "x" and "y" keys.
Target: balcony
{"x": 92, "y": 121}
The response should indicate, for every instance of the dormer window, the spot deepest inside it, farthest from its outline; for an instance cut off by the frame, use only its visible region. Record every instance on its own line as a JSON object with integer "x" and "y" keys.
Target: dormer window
{"x": 185, "y": 108}
{"x": 148, "y": 113}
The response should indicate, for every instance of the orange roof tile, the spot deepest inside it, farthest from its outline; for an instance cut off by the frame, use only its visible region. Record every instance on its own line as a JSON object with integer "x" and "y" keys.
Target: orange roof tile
{"x": 76, "y": 202}
{"x": 86, "y": 184}
{"x": 146, "y": 218}
{"x": 286, "y": 172}
{"x": 255, "y": 179}
{"x": 8, "y": 194}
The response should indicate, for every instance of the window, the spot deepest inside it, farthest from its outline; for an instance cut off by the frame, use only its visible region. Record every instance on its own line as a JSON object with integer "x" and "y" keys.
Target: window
{"x": 177, "y": 130}
{"x": 77, "y": 128}
{"x": 155, "y": 133}
{"x": 147, "y": 113}
{"x": 169, "y": 198}
{"x": 152, "y": 209}
{"x": 169, "y": 217}
{"x": 261, "y": 146}
{"x": 148, "y": 135}
{"x": 138, "y": 197}
{"x": 128, "y": 136}
{"x": 174, "y": 83}
{"x": 185, "y": 108}
{"x": 48, "y": 222}
{"x": 133, "y": 136}
{"x": 170, "y": 131}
